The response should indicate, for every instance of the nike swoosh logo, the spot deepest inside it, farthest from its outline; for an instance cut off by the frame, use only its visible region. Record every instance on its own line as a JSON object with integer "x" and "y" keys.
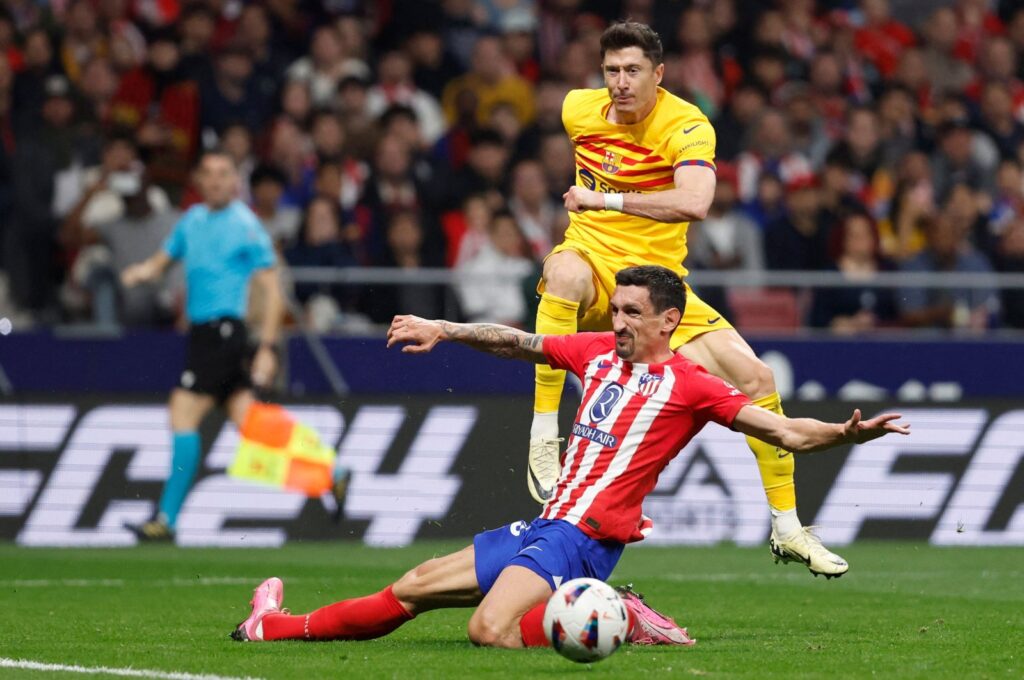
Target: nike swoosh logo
{"x": 541, "y": 491}
{"x": 715, "y": 320}
{"x": 688, "y": 130}
{"x": 783, "y": 454}
{"x": 604, "y": 364}
{"x": 530, "y": 547}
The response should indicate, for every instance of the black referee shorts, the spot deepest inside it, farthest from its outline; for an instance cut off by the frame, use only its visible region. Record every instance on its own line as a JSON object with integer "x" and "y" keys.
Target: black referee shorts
{"x": 219, "y": 358}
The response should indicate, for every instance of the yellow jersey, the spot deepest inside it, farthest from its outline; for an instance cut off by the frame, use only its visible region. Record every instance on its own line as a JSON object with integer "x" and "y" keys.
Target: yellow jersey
{"x": 641, "y": 157}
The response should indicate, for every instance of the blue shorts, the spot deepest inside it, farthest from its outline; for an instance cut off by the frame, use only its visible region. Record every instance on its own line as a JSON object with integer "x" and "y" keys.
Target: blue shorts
{"x": 555, "y": 550}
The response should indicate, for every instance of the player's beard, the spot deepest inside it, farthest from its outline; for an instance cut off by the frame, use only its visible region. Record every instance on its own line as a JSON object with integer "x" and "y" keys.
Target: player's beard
{"x": 625, "y": 345}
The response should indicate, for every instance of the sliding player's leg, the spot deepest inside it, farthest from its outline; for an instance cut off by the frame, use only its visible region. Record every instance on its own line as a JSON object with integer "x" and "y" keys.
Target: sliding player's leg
{"x": 443, "y": 582}
{"x": 566, "y": 288}
{"x": 724, "y": 353}
{"x": 512, "y": 613}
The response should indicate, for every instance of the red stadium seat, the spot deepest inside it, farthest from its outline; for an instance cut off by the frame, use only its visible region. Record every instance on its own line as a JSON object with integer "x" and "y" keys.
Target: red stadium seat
{"x": 769, "y": 309}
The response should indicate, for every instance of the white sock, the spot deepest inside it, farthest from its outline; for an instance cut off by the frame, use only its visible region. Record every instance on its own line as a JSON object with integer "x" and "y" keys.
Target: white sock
{"x": 785, "y": 522}
{"x": 544, "y": 425}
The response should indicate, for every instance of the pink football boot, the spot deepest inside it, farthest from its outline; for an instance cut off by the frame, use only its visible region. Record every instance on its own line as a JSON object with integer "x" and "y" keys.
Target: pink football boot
{"x": 266, "y": 599}
{"x": 648, "y": 626}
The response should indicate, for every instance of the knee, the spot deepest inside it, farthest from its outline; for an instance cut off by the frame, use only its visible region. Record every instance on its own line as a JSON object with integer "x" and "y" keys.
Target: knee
{"x": 758, "y": 381}
{"x": 485, "y": 631}
{"x": 567, "y": 277}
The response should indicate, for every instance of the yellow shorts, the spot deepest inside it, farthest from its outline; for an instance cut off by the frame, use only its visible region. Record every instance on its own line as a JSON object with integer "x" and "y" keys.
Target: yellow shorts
{"x": 698, "y": 318}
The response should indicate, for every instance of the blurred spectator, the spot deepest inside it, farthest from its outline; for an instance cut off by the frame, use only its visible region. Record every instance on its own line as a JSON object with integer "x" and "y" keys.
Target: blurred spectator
{"x": 110, "y": 246}
{"x": 326, "y": 65}
{"x": 255, "y": 34}
{"x": 535, "y": 212}
{"x": 998, "y": 63}
{"x": 860, "y": 151}
{"x": 856, "y": 252}
{"x": 433, "y": 65}
{"x": 579, "y": 68}
{"x": 769, "y": 151}
{"x": 353, "y": 109}
{"x": 233, "y": 94}
{"x": 484, "y": 173}
{"x": 947, "y": 72}
{"x": 491, "y": 80}
{"x": 197, "y": 24}
{"x": 327, "y": 135}
{"x": 810, "y": 135}
{"x": 236, "y": 141}
{"x": 746, "y": 106}
{"x": 882, "y": 39}
{"x": 492, "y": 278}
{"x": 29, "y": 83}
{"x": 799, "y": 239}
{"x": 955, "y": 160}
{"x": 54, "y": 146}
{"x": 559, "y": 161}
{"x": 828, "y": 91}
{"x": 98, "y": 86}
{"x": 320, "y": 244}
{"x": 292, "y": 151}
{"x": 698, "y": 68}
{"x": 518, "y": 28}
{"x": 405, "y": 241}
{"x": 162, "y": 107}
{"x": 96, "y": 195}
{"x": 727, "y": 238}
{"x": 82, "y": 38}
{"x": 281, "y": 221}
{"x": 998, "y": 120}
{"x": 550, "y": 95}
{"x": 898, "y": 125}
{"x": 1010, "y": 258}
{"x": 913, "y": 203}
{"x": 297, "y": 102}
{"x": 947, "y": 251}
{"x": 395, "y": 85}
{"x": 391, "y": 188}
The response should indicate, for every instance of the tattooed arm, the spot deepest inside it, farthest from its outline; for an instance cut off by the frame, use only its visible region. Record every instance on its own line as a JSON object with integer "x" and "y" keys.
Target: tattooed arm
{"x": 502, "y": 341}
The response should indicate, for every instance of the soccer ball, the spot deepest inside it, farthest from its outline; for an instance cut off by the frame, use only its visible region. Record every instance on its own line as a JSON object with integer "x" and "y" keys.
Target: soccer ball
{"x": 585, "y": 620}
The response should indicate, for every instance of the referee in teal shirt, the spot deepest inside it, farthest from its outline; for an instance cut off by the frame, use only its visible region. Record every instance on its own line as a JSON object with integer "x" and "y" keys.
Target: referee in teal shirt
{"x": 223, "y": 247}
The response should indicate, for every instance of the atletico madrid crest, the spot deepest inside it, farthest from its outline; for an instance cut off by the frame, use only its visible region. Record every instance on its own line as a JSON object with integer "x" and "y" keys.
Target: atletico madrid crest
{"x": 649, "y": 384}
{"x": 610, "y": 163}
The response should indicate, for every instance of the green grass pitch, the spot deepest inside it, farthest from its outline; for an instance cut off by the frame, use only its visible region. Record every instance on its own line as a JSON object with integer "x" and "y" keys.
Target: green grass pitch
{"x": 903, "y": 611}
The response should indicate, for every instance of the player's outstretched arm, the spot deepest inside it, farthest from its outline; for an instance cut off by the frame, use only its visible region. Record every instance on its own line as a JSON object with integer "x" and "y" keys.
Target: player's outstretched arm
{"x": 149, "y": 269}
{"x": 421, "y": 335}
{"x": 806, "y": 435}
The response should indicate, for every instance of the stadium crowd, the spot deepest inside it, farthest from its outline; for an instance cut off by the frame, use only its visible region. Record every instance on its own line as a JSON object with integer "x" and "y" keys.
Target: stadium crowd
{"x": 855, "y": 137}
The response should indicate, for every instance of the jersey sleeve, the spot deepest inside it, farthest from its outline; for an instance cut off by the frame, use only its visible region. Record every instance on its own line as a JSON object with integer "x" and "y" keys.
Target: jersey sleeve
{"x": 572, "y": 352}
{"x": 174, "y": 244}
{"x": 714, "y": 399}
{"x": 570, "y": 111}
{"x": 693, "y": 143}
{"x": 261, "y": 250}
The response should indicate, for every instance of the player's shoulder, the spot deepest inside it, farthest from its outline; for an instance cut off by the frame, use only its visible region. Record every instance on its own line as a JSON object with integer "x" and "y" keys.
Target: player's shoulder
{"x": 675, "y": 107}
{"x": 584, "y": 105}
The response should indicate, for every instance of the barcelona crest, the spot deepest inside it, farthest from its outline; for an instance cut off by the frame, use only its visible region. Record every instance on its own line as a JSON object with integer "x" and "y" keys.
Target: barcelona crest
{"x": 610, "y": 162}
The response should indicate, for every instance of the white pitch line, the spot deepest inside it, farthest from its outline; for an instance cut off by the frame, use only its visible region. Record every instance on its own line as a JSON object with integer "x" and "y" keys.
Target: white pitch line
{"x": 104, "y": 670}
{"x": 119, "y": 582}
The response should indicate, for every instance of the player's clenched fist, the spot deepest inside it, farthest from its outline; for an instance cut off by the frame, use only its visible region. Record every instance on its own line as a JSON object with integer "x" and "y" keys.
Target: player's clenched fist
{"x": 578, "y": 199}
{"x": 421, "y": 334}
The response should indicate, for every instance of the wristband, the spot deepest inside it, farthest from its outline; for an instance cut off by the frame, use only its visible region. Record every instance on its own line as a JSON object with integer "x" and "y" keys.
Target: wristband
{"x": 613, "y": 202}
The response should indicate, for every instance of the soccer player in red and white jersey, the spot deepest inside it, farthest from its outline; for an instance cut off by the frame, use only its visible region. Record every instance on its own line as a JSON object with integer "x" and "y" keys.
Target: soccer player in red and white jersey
{"x": 642, "y": 403}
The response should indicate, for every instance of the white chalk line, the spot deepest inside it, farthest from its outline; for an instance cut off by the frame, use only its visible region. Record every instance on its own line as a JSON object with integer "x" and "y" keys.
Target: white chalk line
{"x": 25, "y": 664}
{"x": 120, "y": 582}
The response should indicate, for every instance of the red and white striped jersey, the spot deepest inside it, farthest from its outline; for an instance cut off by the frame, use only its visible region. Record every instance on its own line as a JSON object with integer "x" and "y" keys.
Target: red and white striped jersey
{"x": 633, "y": 420}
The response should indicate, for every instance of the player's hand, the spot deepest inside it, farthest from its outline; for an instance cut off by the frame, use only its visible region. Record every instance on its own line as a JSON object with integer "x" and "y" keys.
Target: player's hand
{"x": 264, "y": 365}
{"x": 135, "y": 274}
{"x": 858, "y": 431}
{"x": 578, "y": 199}
{"x": 420, "y": 334}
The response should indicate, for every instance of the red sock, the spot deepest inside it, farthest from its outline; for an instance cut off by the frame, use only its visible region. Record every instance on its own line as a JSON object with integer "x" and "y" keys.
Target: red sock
{"x": 362, "y": 618}
{"x": 531, "y": 627}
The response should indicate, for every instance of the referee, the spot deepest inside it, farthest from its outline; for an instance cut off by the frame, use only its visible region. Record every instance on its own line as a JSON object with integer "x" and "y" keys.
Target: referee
{"x": 223, "y": 247}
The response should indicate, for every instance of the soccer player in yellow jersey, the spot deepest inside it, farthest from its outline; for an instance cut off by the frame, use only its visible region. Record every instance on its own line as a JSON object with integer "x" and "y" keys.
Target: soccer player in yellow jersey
{"x": 644, "y": 170}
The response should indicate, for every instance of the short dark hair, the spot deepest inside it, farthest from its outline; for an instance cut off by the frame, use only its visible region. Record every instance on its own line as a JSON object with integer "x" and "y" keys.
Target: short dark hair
{"x": 664, "y": 285}
{"x": 623, "y": 34}
{"x": 267, "y": 173}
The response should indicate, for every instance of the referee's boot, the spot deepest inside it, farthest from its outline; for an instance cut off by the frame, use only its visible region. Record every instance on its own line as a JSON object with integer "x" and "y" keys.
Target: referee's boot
{"x": 544, "y": 468}
{"x": 805, "y": 547}
{"x": 153, "y": 531}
